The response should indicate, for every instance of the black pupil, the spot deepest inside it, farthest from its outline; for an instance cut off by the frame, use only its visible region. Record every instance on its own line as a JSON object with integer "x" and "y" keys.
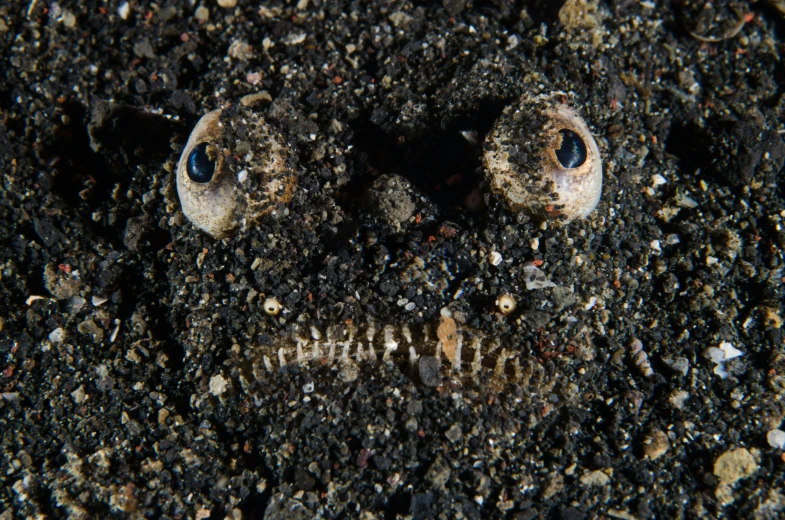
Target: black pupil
{"x": 572, "y": 152}
{"x": 200, "y": 167}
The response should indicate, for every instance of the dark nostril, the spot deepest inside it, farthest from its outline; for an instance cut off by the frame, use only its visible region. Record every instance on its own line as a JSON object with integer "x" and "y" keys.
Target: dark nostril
{"x": 200, "y": 167}
{"x": 572, "y": 152}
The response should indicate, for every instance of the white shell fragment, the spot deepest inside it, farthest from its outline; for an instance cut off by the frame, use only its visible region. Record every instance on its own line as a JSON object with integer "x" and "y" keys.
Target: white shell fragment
{"x": 536, "y": 279}
{"x": 719, "y": 355}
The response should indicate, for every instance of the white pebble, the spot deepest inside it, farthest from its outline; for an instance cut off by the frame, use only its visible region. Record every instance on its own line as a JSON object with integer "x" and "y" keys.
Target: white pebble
{"x": 730, "y": 351}
{"x": 218, "y": 385}
{"x": 124, "y": 10}
{"x": 715, "y": 355}
{"x": 496, "y": 258}
{"x": 57, "y": 335}
{"x": 776, "y": 438}
{"x": 678, "y": 398}
{"x": 658, "y": 180}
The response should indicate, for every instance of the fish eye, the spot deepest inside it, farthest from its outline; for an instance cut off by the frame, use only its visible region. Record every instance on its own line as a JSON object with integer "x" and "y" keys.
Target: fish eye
{"x": 200, "y": 166}
{"x": 541, "y": 158}
{"x": 572, "y": 150}
{"x": 234, "y": 169}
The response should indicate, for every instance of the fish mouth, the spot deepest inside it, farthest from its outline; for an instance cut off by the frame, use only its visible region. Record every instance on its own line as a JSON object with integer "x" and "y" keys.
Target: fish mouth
{"x": 461, "y": 353}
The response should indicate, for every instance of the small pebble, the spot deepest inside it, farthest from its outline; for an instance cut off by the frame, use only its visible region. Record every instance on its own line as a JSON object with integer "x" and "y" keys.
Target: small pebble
{"x": 655, "y": 445}
{"x": 218, "y": 385}
{"x": 227, "y": 4}
{"x": 202, "y": 14}
{"x": 595, "y": 479}
{"x": 57, "y": 335}
{"x": 430, "y": 372}
{"x": 678, "y": 398}
{"x": 776, "y": 438}
{"x": 735, "y": 465}
{"x": 454, "y": 434}
{"x": 124, "y": 10}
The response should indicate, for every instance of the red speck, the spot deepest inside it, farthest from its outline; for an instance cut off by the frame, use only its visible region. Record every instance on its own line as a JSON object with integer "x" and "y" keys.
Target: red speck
{"x": 153, "y": 77}
{"x": 614, "y": 103}
{"x": 749, "y": 17}
{"x": 421, "y": 433}
{"x": 148, "y": 16}
{"x": 337, "y": 80}
{"x": 102, "y": 10}
{"x": 310, "y": 297}
{"x": 8, "y": 371}
{"x": 184, "y": 37}
{"x": 65, "y": 268}
{"x": 417, "y": 218}
{"x": 447, "y": 231}
{"x": 537, "y": 263}
{"x": 431, "y": 238}
{"x": 362, "y": 458}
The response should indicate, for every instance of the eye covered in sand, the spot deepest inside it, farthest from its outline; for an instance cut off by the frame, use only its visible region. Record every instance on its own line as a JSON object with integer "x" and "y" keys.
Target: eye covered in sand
{"x": 234, "y": 170}
{"x": 541, "y": 158}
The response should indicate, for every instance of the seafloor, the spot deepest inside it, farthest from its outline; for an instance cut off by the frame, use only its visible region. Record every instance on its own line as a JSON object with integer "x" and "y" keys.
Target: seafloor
{"x": 649, "y": 374}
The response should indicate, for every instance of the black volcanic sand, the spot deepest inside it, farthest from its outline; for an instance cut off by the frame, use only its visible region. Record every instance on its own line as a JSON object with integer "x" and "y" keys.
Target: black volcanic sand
{"x": 126, "y": 367}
